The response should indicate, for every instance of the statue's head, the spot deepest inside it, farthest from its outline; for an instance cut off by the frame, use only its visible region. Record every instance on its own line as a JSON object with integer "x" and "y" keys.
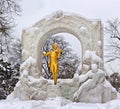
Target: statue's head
{"x": 94, "y": 68}
{"x": 55, "y": 46}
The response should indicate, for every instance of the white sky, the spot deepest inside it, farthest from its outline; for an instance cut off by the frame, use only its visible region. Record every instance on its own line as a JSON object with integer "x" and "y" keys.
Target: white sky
{"x": 34, "y": 10}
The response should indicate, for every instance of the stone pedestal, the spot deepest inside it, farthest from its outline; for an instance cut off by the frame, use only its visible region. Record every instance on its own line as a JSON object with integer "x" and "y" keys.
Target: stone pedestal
{"x": 53, "y": 91}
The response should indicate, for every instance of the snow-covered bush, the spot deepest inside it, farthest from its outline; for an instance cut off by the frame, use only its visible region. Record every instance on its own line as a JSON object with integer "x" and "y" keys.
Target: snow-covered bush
{"x": 114, "y": 79}
{"x": 112, "y": 70}
{"x": 8, "y": 78}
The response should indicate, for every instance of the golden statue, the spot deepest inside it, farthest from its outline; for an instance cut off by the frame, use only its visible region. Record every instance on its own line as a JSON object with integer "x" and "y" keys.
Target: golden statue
{"x": 54, "y": 55}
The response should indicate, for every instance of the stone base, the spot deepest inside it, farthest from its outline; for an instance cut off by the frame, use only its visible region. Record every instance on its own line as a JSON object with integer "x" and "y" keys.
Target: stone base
{"x": 66, "y": 88}
{"x": 53, "y": 91}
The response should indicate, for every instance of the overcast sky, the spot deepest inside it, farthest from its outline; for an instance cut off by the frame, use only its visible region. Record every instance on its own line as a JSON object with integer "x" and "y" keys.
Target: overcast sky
{"x": 34, "y": 10}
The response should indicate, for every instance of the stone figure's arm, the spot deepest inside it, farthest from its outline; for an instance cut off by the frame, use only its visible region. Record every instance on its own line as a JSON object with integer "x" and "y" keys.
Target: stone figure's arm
{"x": 85, "y": 77}
{"x": 33, "y": 81}
{"x": 46, "y": 53}
{"x": 30, "y": 83}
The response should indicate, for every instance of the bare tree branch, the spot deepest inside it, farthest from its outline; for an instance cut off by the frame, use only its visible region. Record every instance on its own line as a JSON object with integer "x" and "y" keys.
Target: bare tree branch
{"x": 113, "y": 28}
{"x": 113, "y": 31}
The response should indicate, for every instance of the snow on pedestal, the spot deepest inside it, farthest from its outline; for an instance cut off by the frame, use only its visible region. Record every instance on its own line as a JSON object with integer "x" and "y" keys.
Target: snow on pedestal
{"x": 53, "y": 91}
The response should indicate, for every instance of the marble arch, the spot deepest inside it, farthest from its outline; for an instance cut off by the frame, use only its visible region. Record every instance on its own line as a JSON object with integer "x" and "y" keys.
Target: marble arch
{"x": 87, "y": 31}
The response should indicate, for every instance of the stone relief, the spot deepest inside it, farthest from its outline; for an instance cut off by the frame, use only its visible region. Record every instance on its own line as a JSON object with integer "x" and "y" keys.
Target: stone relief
{"x": 93, "y": 85}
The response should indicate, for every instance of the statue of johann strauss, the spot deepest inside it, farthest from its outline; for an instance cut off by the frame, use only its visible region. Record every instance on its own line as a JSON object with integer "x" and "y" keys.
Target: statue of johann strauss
{"x": 54, "y": 55}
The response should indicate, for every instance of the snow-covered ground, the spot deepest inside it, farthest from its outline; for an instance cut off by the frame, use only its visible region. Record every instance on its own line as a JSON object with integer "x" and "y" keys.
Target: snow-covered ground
{"x": 56, "y": 103}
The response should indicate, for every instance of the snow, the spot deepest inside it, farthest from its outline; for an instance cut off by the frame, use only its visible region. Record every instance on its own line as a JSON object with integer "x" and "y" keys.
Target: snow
{"x": 25, "y": 52}
{"x": 107, "y": 84}
{"x": 112, "y": 67}
{"x": 56, "y": 103}
{"x": 18, "y": 84}
{"x": 92, "y": 55}
{"x": 99, "y": 43}
{"x": 94, "y": 66}
{"x": 2, "y": 67}
{"x": 58, "y": 14}
{"x": 35, "y": 80}
{"x": 83, "y": 29}
{"x": 95, "y": 22}
{"x": 29, "y": 61}
{"x": 96, "y": 58}
{"x": 30, "y": 30}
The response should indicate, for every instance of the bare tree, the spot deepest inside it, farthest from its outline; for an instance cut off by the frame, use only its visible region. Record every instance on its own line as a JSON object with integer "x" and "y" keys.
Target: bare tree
{"x": 113, "y": 47}
{"x": 113, "y": 28}
{"x": 68, "y": 63}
